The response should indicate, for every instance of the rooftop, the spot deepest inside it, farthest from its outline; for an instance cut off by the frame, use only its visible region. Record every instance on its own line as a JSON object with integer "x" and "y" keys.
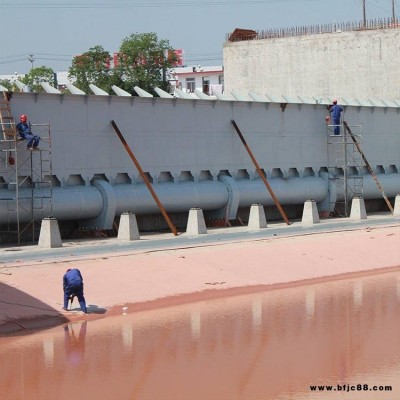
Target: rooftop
{"x": 247, "y": 34}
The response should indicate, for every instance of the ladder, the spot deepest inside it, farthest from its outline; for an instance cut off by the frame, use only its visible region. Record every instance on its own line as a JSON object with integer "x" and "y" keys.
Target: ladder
{"x": 8, "y": 165}
{"x": 345, "y": 165}
{"x": 34, "y": 188}
{"x": 26, "y": 178}
{"x": 6, "y": 119}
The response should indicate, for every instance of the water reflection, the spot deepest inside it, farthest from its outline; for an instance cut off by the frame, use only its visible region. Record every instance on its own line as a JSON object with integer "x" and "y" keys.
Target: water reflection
{"x": 75, "y": 342}
{"x": 270, "y": 345}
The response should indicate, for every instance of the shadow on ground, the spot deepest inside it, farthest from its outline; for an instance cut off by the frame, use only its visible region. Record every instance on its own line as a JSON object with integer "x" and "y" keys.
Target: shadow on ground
{"x": 91, "y": 309}
{"x": 21, "y": 313}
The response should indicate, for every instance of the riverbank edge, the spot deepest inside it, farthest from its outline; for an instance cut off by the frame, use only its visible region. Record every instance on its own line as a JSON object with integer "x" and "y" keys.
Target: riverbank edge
{"x": 25, "y": 324}
{"x": 40, "y": 322}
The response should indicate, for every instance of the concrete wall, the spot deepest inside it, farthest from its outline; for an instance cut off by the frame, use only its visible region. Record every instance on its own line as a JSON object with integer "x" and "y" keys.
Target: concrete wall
{"x": 357, "y": 64}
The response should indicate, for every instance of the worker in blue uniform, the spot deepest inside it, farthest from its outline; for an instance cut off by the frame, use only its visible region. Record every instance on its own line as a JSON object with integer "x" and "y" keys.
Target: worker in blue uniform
{"x": 25, "y": 133}
{"x": 336, "y": 110}
{"x": 73, "y": 286}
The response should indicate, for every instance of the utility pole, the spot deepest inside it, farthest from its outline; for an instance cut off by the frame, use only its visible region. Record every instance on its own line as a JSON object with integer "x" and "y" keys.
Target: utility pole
{"x": 364, "y": 15}
{"x": 31, "y": 59}
{"x": 393, "y": 11}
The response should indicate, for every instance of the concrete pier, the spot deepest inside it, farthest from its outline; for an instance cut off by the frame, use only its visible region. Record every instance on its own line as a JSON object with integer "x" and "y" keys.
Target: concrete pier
{"x": 128, "y": 228}
{"x": 396, "y": 212}
{"x": 358, "y": 209}
{"x": 196, "y": 224}
{"x": 310, "y": 213}
{"x": 49, "y": 236}
{"x": 257, "y": 218}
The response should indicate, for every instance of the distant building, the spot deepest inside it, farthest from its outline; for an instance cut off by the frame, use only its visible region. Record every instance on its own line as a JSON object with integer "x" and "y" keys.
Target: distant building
{"x": 178, "y": 53}
{"x": 346, "y": 60}
{"x": 209, "y": 80}
{"x": 62, "y": 80}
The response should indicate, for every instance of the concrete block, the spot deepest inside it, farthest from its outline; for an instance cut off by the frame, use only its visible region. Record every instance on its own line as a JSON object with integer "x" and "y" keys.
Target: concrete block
{"x": 310, "y": 213}
{"x": 358, "y": 209}
{"x": 257, "y": 217}
{"x": 49, "y": 236}
{"x": 396, "y": 211}
{"x": 128, "y": 229}
{"x": 196, "y": 224}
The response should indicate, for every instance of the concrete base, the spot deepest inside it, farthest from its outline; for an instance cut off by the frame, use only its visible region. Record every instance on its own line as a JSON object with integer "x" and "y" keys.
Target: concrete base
{"x": 358, "y": 209}
{"x": 396, "y": 211}
{"x": 128, "y": 228}
{"x": 257, "y": 217}
{"x": 310, "y": 213}
{"x": 196, "y": 224}
{"x": 49, "y": 236}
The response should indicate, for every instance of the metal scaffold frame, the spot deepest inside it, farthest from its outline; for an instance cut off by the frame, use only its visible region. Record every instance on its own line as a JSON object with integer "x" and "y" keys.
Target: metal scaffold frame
{"x": 26, "y": 178}
{"x": 345, "y": 165}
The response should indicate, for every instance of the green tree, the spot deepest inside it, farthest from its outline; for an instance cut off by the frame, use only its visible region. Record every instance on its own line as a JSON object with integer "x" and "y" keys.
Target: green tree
{"x": 93, "y": 67}
{"x": 6, "y": 83}
{"x": 37, "y": 75}
{"x": 143, "y": 61}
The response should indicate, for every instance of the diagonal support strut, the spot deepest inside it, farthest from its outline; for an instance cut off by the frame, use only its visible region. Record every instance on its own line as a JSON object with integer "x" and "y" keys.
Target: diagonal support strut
{"x": 145, "y": 179}
{"x": 368, "y": 166}
{"x": 280, "y": 209}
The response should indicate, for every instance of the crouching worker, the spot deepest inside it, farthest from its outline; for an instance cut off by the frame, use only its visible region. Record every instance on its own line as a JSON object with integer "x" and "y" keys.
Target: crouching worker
{"x": 73, "y": 286}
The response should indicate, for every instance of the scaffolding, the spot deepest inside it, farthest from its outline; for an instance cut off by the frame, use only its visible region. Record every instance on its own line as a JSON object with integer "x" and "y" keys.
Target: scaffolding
{"x": 345, "y": 165}
{"x": 25, "y": 179}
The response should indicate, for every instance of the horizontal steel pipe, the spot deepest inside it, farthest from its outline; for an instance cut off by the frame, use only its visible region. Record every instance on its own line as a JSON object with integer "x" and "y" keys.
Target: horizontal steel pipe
{"x": 72, "y": 203}
{"x": 174, "y": 197}
{"x": 82, "y": 202}
{"x": 389, "y": 182}
{"x": 288, "y": 191}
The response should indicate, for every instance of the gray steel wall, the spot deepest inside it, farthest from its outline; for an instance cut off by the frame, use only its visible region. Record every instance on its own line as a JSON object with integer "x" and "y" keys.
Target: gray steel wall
{"x": 188, "y": 147}
{"x": 177, "y": 135}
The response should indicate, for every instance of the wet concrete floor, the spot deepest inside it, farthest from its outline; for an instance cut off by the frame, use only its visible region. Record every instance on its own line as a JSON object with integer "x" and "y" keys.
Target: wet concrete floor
{"x": 275, "y": 345}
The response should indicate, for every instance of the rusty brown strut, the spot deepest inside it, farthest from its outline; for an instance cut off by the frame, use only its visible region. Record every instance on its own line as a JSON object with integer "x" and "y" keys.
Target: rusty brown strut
{"x": 368, "y": 166}
{"x": 145, "y": 179}
{"x": 280, "y": 209}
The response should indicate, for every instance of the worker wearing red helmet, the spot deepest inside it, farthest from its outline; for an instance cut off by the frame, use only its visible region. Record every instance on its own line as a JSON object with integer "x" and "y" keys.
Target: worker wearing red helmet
{"x": 25, "y": 133}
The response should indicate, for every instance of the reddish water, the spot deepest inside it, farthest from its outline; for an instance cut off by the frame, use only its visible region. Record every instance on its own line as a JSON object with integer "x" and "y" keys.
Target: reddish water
{"x": 270, "y": 345}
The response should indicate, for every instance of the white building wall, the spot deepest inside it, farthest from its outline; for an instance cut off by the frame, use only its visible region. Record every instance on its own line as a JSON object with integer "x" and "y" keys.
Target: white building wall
{"x": 213, "y": 74}
{"x": 362, "y": 64}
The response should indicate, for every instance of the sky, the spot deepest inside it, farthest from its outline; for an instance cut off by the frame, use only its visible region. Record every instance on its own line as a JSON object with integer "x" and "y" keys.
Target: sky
{"x": 54, "y": 31}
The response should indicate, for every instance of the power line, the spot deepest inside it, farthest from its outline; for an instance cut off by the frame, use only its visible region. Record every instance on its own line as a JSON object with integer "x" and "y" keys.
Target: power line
{"x": 13, "y": 61}
{"x": 393, "y": 4}
{"x": 52, "y": 54}
{"x": 370, "y": 3}
{"x": 15, "y": 56}
{"x": 26, "y": 58}
{"x": 189, "y": 57}
{"x": 150, "y": 4}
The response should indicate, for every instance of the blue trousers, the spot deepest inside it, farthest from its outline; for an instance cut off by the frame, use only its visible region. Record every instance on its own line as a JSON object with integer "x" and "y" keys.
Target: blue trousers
{"x": 33, "y": 140}
{"x": 336, "y": 129}
{"x": 78, "y": 292}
